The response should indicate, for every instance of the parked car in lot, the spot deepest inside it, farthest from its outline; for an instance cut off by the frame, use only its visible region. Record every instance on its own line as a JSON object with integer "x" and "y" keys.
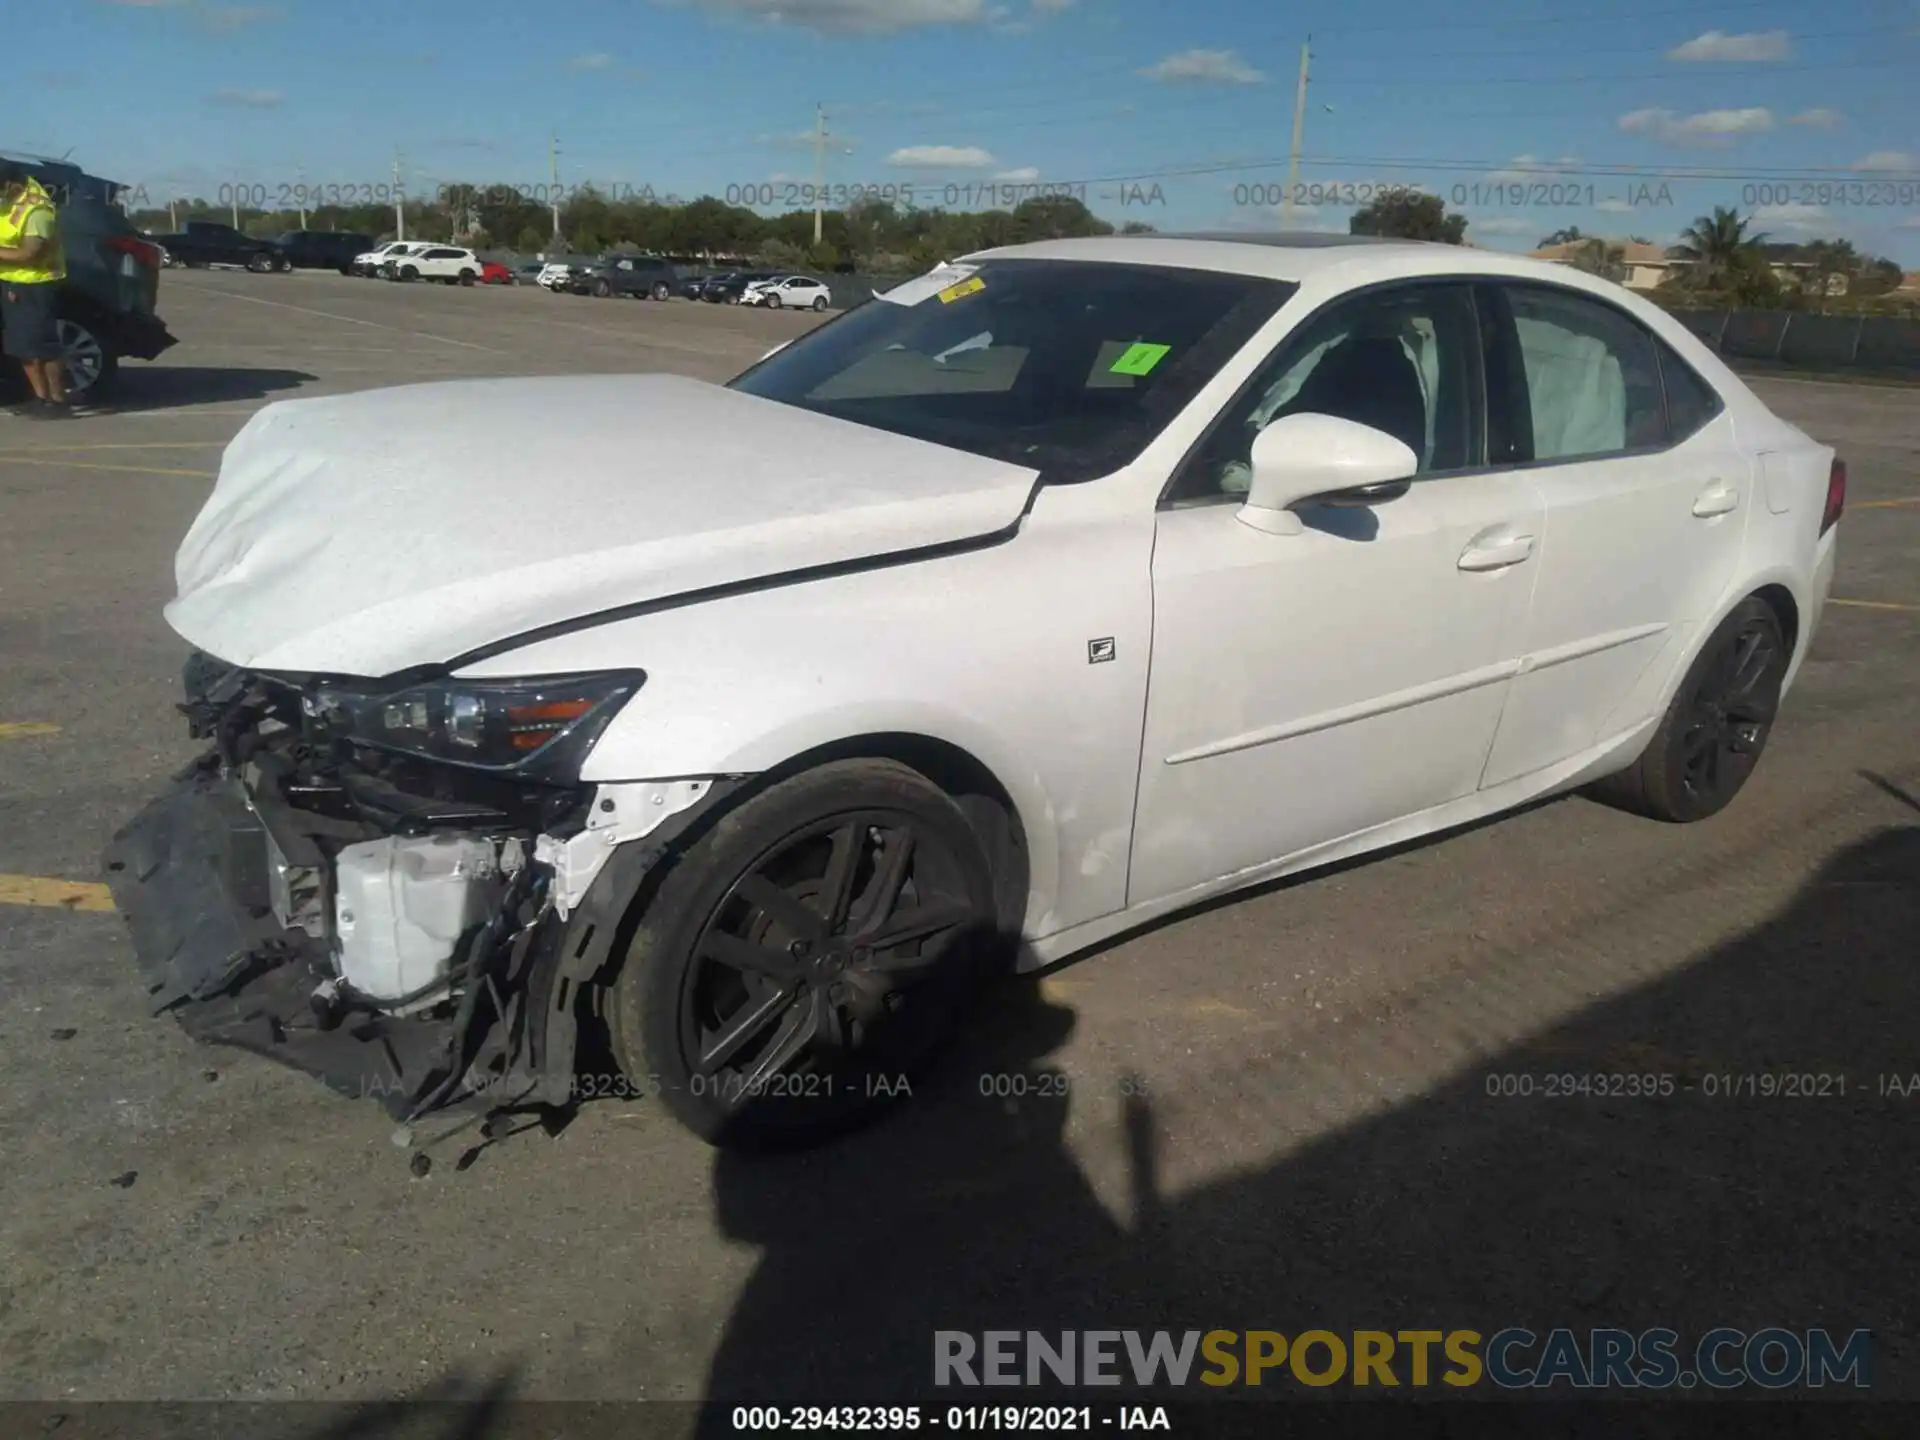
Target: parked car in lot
{"x": 691, "y": 286}
{"x": 645, "y": 276}
{"x": 1130, "y": 572}
{"x": 790, "y": 292}
{"x": 449, "y": 264}
{"x": 529, "y": 273}
{"x": 557, "y": 275}
{"x": 726, "y": 289}
{"x": 108, "y": 304}
{"x": 369, "y": 262}
{"x": 324, "y": 249}
{"x": 492, "y": 272}
{"x": 206, "y": 242}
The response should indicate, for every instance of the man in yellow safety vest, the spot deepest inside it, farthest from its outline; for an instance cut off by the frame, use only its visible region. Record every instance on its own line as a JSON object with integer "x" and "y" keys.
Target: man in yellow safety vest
{"x": 32, "y": 265}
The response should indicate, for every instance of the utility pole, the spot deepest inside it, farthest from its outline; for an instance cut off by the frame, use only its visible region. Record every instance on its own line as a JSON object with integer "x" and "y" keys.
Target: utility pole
{"x": 300, "y": 189}
{"x": 1299, "y": 127}
{"x": 819, "y": 171}
{"x": 399, "y": 205}
{"x": 233, "y": 203}
{"x": 173, "y": 217}
{"x": 553, "y": 176}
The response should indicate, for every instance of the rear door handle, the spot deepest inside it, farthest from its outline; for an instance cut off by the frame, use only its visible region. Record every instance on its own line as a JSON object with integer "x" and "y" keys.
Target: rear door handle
{"x": 1496, "y": 549}
{"x": 1717, "y": 499}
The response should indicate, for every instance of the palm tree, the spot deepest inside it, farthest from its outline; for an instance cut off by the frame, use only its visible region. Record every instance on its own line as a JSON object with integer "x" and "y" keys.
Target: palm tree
{"x": 1605, "y": 258}
{"x": 1720, "y": 252}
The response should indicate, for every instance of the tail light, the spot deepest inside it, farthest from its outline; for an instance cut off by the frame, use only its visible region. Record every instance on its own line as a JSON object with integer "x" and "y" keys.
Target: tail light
{"x": 144, "y": 252}
{"x": 1836, "y": 495}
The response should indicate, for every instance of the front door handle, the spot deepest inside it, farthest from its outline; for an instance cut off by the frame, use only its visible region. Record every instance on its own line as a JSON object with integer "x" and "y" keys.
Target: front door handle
{"x": 1496, "y": 549}
{"x": 1717, "y": 499}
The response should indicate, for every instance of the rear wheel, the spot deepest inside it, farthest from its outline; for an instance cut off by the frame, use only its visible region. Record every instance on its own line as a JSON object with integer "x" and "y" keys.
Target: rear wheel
{"x": 818, "y": 940}
{"x": 466, "y": 277}
{"x": 259, "y": 264}
{"x": 1713, "y": 733}
{"x": 819, "y": 302}
{"x": 661, "y": 292}
{"x": 90, "y": 366}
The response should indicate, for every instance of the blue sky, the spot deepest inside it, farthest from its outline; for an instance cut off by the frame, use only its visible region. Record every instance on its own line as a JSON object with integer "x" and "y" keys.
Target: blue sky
{"x": 1180, "y": 115}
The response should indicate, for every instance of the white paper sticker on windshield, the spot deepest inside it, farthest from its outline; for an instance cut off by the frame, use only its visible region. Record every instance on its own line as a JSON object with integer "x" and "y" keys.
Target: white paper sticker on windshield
{"x": 928, "y": 285}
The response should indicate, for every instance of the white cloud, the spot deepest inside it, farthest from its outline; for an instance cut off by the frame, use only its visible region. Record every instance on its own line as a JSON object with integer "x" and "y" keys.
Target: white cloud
{"x": 1718, "y": 46}
{"x": 248, "y": 99}
{"x": 852, "y": 17}
{"x": 1205, "y": 67}
{"x": 1819, "y": 118}
{"x": 597, "y": 60}
{"x": 941, "y": 157}
{"x": 1020, "y": 175}
{"x": 1886, "y": 160}
{"x": 1791, "y": 215}
{"x": 1504, "y": 225}
{"x": 1709, "y": 127}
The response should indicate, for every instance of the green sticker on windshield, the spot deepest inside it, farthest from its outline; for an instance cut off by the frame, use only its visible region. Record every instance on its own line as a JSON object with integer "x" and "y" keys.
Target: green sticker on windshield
{"x": 1140, "y": 359}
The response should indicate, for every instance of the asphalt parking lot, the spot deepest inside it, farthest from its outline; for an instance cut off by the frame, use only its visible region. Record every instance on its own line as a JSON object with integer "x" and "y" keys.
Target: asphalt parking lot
{"x": 1275, "y": 1113}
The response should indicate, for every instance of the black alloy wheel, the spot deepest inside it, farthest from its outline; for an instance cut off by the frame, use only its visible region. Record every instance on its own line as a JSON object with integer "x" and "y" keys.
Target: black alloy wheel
{"x": 806, "y": 956}
{"x": 1716, "y": 728}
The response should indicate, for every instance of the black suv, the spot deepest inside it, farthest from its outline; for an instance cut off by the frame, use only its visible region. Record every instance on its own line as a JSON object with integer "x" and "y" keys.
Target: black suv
{"x": 107, "y": 302}
{"x": 728, "y": 288}
{"x": 324, "y": 249}
{"x": 647, "y": 276}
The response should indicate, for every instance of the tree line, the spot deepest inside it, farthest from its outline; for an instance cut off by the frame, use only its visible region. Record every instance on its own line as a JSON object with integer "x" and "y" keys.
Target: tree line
{"x": 874, "y": 234}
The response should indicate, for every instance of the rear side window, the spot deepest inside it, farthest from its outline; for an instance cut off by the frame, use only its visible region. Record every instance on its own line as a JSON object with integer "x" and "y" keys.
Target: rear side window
{"x": 1592, "y": 375}
{"x": 1691, "y": 402}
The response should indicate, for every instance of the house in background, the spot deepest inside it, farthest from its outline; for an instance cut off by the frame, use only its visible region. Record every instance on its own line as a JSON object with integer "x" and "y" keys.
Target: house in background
{"x": 1645, "y": 264}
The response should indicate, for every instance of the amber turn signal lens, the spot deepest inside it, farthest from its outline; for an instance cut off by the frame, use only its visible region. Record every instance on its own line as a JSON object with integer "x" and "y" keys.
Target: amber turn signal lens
{"x": 532, "y": 726}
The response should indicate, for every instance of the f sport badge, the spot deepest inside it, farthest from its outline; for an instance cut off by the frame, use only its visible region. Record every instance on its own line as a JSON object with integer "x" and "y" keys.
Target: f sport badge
{"x": 1100, "y": 650}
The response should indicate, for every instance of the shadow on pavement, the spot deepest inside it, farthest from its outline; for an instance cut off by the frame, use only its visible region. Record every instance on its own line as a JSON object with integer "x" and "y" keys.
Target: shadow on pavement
{"x": 1718, "y": 1205}
{"x": 168, "y": 387}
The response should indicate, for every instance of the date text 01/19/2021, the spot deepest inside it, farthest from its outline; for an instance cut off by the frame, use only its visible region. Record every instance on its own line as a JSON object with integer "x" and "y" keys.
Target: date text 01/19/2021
{"x": 963, "y": 1419}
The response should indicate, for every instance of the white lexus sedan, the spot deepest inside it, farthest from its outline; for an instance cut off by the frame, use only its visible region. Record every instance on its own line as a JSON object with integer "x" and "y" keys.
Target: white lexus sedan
{"x": 750, "y": 727}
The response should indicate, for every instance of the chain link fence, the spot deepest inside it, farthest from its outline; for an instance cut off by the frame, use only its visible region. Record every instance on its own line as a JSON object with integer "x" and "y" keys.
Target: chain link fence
{"x": 1846, "y": 344}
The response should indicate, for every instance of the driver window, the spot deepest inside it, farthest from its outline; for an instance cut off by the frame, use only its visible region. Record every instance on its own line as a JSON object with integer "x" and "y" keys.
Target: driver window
{"x": 1402, "y": 360}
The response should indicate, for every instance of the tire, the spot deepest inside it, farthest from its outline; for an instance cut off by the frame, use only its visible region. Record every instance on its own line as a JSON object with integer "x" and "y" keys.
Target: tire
{"x": 662, "y": 293}
{"x": 782, "y": 1084}
{"x": 346, "y": 269}
{"x": 409, "y": 272}
{"x": 602, "y": 289}
{"x": 466, "y": 277}
{"x": 820, "y": 304}
{"x": 283, "y": 265}
{"x": 1715, "y": 730}
{"x": 773, "y": 301}
{"x": 259, "y": 264}
{"x": 84, "y": 353}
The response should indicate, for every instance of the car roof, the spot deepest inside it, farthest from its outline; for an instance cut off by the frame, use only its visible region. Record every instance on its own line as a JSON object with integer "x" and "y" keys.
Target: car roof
{"x": 1361, "y": 259}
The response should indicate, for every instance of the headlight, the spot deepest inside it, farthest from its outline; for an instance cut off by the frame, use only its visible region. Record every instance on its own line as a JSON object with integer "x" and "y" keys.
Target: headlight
{"x": 538, "y": 728}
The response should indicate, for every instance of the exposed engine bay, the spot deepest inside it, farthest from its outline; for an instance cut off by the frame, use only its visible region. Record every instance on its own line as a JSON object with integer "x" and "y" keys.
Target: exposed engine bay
{"x": 401, "y": 889}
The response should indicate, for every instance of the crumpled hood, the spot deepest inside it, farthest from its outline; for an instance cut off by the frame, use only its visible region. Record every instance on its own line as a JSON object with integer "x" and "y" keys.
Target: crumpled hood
{"x": 366, "y": 534}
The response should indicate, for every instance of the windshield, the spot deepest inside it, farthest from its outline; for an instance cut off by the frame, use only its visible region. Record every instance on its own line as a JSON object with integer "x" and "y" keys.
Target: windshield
{"x": 1068, "y": 367}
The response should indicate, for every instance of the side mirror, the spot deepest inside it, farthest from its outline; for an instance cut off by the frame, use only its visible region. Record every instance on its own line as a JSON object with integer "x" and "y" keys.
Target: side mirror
{"x": 1322, "y": 458}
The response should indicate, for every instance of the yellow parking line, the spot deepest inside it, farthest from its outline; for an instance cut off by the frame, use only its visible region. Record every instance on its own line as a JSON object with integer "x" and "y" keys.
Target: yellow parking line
{"x": 16, "y": 458}
{"x": 22, "y": 729}
{"x": 1883, "y": 504}
{"x": 126, "y": 445}
{"x": 1875, "y": 605}
{"x": 61, "y": 894}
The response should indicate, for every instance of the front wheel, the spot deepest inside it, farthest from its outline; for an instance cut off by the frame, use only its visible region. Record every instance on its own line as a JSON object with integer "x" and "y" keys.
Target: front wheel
{"x": 409, "y": 272}
{"x": 805, "y": 954}
{"x": 773, "y": 302}
{"x": 259, "y": 264}
{"x": 661, "y": 292}
{"x": 1713, "y": 733}
{"x": 283, "y": 265}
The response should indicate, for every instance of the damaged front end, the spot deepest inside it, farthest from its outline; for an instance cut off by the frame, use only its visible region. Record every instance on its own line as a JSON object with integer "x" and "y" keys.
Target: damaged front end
{"x": 383, "y": 884}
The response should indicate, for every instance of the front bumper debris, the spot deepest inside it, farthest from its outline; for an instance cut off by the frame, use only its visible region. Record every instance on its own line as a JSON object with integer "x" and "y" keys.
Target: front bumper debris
{"x": 190, "y": 875}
